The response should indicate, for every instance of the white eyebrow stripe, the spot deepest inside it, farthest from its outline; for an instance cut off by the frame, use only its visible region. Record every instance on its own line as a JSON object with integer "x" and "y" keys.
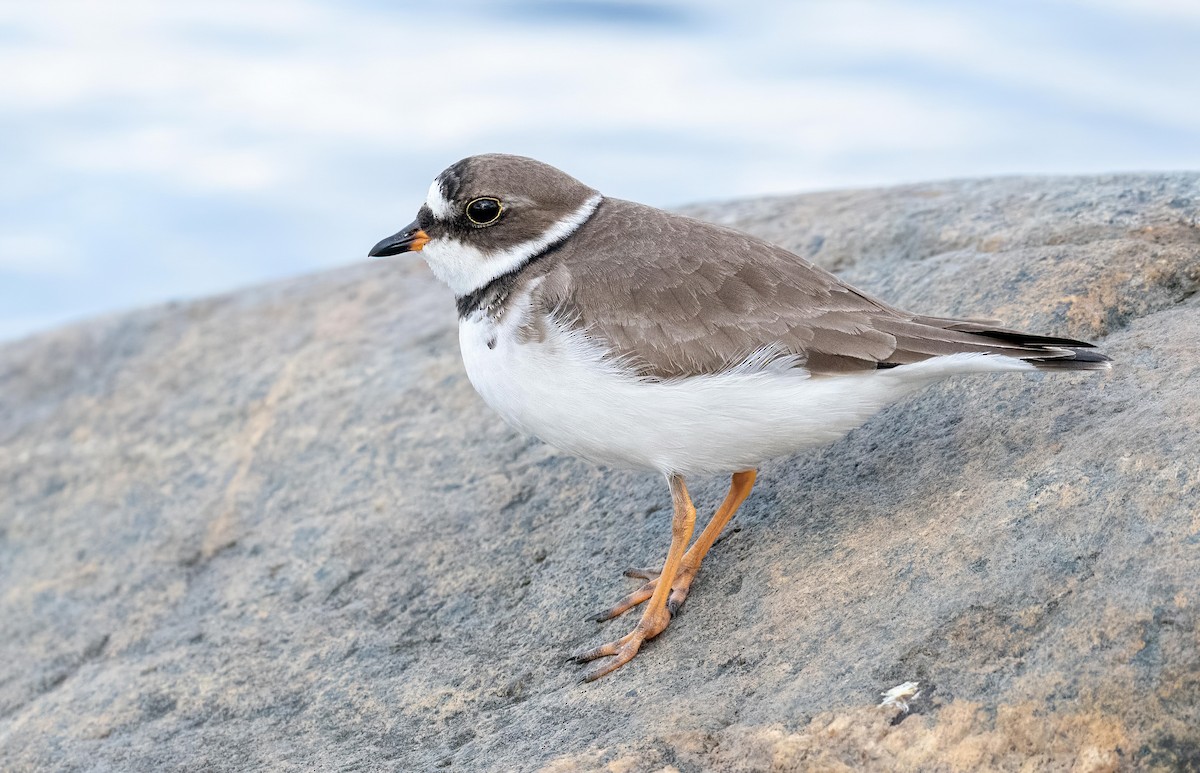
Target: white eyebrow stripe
{"x": 437, "y": 202}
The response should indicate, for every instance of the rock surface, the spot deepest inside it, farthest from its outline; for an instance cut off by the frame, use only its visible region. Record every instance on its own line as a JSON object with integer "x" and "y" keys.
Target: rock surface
{"x": 278, "y": 530}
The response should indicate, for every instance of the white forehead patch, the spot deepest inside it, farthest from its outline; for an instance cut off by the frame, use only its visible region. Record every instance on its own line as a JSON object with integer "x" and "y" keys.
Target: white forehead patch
{"x": 437, "y": 202}
{"x": 465, "y": 267}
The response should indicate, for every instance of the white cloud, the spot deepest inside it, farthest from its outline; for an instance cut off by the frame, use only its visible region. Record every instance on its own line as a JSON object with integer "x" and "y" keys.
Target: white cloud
{"x": 186, "y": 157}
{"x": 38, "y": 254}
{"x": 1176, "y": 11}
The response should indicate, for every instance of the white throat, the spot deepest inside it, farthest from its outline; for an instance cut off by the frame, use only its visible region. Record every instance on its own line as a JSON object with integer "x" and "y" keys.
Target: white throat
{"x": 465, "y": 268}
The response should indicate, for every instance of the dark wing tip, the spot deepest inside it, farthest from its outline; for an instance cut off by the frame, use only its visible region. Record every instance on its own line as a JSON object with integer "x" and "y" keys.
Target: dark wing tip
{"x": 1078, "y": 359}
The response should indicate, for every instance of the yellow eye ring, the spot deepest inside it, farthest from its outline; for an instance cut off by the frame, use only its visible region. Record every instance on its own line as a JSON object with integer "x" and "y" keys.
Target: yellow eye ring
{"x": 484, "y": 210}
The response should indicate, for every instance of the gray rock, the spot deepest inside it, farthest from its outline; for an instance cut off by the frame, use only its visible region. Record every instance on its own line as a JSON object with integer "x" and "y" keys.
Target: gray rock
{"x": 278, "y": 530}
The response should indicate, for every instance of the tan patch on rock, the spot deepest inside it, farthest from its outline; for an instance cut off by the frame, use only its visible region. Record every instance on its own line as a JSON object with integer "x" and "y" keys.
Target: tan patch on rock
{"x": 961, "y": 736}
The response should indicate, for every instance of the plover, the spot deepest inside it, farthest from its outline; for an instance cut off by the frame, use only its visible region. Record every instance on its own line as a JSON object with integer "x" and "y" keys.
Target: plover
{"x": 634, "y": 337}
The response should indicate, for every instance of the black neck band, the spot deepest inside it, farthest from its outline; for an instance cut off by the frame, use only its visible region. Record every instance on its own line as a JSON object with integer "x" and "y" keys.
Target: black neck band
{"x": 496, "y": 291}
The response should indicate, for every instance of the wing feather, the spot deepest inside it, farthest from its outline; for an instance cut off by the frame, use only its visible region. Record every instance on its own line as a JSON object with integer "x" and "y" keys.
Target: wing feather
{"x": 687, "y": 297}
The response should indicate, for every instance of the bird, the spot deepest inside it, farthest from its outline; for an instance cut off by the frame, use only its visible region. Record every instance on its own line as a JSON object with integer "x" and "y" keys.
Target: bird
{"x": 639, "y": 338}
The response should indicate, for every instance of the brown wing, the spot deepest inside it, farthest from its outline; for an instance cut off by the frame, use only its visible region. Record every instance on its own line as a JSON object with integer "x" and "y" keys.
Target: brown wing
{"x": 687, "y": 297}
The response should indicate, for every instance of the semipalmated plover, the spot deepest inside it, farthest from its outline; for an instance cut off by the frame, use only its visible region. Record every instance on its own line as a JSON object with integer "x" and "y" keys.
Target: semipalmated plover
{"x": 635, "y": 337}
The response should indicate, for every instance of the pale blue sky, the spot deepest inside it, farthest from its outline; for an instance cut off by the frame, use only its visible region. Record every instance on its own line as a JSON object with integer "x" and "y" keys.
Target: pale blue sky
{"x": 156, "y": 150}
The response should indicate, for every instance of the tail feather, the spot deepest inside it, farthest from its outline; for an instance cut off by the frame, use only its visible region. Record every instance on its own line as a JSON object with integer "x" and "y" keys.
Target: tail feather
{"x": 1080, "y": 358}
{"x": 944, "y": 335}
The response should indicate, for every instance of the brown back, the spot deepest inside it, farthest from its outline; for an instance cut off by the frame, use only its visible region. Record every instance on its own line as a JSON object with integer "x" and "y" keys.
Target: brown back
{"x": 673, "y": 296}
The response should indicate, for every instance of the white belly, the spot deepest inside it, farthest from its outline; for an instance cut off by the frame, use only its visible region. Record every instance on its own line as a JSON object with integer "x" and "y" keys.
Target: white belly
{"x": 564, "y": 391}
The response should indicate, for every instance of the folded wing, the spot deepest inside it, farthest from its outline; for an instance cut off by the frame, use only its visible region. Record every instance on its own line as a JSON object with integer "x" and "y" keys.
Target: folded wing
{"x": 689, "y": 297}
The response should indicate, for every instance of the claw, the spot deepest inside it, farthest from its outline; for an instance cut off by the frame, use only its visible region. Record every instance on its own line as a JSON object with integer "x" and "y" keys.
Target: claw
{"x": 643, "y": 573}
{"x": 586, "y": 656}
{"x": 675, "y": 601}
{"x": 627, "y": 603}
{"x": 600, "y": 669}
{"x": 620, "y": 652}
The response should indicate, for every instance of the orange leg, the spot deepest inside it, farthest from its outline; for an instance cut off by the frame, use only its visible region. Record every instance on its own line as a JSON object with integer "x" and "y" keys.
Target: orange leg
{"x": 739, "y": 489}
{"x": 655, "y": 616}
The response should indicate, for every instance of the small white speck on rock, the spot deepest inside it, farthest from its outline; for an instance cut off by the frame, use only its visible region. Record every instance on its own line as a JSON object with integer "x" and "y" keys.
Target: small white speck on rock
{"x": 900, "y": 695}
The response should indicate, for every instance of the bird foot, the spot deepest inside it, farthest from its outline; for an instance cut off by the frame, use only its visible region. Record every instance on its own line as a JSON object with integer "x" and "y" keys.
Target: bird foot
{"x": 622, "y": 650}
{"x": 679, "y": 592}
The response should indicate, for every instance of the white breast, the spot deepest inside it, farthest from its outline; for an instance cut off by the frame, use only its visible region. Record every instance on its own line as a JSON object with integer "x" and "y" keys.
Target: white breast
{"x": 563, "y": 390}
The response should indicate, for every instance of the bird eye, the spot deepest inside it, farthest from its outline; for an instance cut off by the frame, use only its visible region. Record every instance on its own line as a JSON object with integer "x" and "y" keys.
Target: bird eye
{"x": 484, "y": 211}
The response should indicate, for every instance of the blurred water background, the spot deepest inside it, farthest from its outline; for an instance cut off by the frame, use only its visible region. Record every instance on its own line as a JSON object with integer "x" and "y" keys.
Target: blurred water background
{"x": 156, "y": 150}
